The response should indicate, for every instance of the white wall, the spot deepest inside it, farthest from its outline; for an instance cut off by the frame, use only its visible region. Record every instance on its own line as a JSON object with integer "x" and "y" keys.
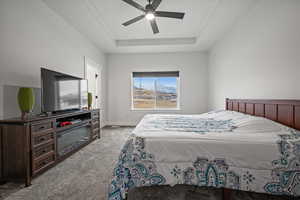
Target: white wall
{"x": 193, "y": 79}
{"x": 31, "y": 36}
{"x": 260, "y": 56}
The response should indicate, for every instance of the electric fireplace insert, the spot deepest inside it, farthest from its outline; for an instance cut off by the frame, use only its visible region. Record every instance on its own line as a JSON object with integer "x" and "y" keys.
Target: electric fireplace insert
{"x": 71, "y": 139}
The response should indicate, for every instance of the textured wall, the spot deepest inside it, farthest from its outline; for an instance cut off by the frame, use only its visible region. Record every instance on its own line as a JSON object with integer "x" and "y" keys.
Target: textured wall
{"x": 31, "y": 36}
{"x": 260, "y": 56}
{"x": 193, "y": 81}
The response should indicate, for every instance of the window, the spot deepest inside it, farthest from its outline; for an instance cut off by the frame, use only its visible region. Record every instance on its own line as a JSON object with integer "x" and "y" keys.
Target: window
{"x": 155, "y": 90}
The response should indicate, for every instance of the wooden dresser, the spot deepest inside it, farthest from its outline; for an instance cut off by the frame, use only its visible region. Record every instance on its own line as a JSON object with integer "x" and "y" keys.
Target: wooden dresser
{"x": 31, "y": 146}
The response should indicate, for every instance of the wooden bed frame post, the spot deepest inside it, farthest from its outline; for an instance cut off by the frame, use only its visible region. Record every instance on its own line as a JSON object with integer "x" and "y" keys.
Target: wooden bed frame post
{"x": 226, "y": 103}
{"x": 227, "y": 194}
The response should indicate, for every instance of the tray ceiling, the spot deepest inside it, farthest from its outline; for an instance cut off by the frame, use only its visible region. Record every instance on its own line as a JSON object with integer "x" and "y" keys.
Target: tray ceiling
{"x": 100, "y": 21}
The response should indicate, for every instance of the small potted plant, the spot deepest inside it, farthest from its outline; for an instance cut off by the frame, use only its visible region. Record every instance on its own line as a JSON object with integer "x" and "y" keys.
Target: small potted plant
{"x": 26, "y": 100}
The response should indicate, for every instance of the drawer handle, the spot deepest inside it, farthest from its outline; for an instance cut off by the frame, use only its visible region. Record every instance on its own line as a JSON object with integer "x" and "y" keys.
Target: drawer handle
{"x": 42, "y": 139}
{"x": 44, "y": 163}
{"x": 42, "y": 127}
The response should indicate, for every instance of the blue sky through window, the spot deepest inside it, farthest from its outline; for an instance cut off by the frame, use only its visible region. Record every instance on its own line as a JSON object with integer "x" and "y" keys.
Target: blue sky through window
{"x": 148, "y": 83}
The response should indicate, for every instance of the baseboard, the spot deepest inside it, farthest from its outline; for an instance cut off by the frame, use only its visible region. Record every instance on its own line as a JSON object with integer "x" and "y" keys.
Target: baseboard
{"x": 120, "y": 124}
{"x": 103, "y": 124}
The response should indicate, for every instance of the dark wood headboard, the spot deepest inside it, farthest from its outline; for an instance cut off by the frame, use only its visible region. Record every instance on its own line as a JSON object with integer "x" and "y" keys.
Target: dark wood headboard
{"x": 286, "y": 112}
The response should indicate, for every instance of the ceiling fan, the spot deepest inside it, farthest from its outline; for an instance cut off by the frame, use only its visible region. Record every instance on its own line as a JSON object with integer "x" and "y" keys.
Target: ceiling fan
{"x": 150, "y": 13}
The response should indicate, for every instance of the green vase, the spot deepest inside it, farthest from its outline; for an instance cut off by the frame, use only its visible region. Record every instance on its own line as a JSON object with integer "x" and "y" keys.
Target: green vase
{"x": 90, "y": 100}
{"x": 26, "y": 100}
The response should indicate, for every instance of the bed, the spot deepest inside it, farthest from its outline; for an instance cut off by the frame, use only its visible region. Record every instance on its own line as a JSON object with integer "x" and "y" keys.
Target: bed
{"x": 253, "y": 145}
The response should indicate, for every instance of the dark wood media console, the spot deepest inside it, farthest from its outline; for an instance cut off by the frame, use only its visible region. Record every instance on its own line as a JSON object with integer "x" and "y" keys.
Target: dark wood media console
{"x": 30, "y": 147}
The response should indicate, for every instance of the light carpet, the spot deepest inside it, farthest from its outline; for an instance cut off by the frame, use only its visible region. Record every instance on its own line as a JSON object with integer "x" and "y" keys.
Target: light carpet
{"x": 83, "y": 176}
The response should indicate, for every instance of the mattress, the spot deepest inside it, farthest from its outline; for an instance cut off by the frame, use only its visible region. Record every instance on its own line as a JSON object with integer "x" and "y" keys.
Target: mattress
{"x": 221, "y": 149}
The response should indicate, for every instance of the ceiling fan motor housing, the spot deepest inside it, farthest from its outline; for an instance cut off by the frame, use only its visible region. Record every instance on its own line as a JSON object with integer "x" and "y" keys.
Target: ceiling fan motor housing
{"x": 149, "y": 8}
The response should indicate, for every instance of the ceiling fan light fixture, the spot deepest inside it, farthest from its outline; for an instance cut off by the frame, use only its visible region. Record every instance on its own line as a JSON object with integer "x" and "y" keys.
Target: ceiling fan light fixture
{"x": 150, "y": 16}
{"x": 150, "y": 13}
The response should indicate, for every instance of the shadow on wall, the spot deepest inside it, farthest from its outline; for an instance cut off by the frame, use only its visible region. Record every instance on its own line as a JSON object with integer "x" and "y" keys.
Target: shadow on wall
{"x": 10, "y": 102}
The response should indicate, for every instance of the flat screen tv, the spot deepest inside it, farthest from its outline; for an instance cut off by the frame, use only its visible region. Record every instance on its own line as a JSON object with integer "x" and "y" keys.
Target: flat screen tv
{"x": 62, "y": 92}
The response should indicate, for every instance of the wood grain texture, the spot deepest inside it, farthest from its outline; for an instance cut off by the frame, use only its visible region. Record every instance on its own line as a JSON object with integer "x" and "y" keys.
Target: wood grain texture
{"x": 271, "y": 111}
{"x": 259, "y": 110}
{"x": 250, "y": 108}
{"x": 96, "y": 124}
{"x": 286, "y": 112}
{"x": 235, "y": 106}
{"x": 242, "y": 107}
{"x": 230, "y": 106}
{"x": 227, "y": 194}
{"x": 14, "y": 148}
{"x": 297, "y": 117}
{"x": 1, "y": 154}
{"x": 30, "y": 146}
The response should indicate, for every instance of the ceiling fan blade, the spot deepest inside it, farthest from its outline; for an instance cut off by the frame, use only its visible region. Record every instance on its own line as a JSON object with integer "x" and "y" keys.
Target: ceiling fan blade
{"x": 134, "y": 4}
{"x": 133, "y": 20}
{"x": 154, "y": 26}
{"x": 155, "y": 4}
{"x": 176, "y": 15}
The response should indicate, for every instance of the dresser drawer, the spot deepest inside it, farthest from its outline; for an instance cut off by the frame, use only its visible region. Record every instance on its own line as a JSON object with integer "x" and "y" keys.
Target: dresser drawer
{"x": 42, "y": 138}
{"x": 95, "y": 115}
{"x": 96, "y": 133}
{"x": 95, "y": 124}
{"x": 42, "y": 163}
{"x": 42, "y": 150}
{"x": 42, "y": 126}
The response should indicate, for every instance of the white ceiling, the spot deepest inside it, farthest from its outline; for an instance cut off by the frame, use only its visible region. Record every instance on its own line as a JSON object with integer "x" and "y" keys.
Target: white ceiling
{"x": 100, "y": 21}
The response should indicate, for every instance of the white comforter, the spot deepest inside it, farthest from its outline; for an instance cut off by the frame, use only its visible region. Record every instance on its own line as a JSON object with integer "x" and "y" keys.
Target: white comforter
{"x": 219, "y": 149}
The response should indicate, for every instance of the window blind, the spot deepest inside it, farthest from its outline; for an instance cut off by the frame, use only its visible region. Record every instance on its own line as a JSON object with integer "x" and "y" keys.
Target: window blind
{"x": 156, "y": 74}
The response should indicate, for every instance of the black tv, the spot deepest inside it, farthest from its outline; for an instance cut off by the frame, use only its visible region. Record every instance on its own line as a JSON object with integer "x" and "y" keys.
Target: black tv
{"x": 62, "y": 92}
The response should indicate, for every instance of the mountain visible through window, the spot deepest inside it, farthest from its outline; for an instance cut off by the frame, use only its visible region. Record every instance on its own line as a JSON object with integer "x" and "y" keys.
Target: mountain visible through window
{"x": 155, "y": 91}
